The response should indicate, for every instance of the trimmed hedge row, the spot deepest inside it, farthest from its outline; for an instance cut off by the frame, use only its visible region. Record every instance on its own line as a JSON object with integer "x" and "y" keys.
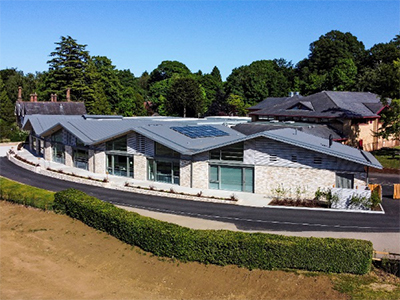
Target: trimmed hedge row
{"x": 24, "y": 194}
{"x": 251, "y": 250}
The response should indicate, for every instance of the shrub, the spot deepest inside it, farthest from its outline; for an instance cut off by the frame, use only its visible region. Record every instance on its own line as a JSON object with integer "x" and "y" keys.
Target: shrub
{"x": 251, "y": 250}
{"x": 375, "y": 198}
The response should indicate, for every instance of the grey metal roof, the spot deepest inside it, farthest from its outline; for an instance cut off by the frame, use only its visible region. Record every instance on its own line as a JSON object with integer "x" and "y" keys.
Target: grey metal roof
{"x": 317, "y": 144}
{"x": 94, "y": 131}
{"x": 320, "y": 130}
{"x": 326, "y": 104}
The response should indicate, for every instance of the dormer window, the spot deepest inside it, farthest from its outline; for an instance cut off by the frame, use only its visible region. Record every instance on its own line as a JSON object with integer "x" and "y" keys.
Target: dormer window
{"x": 302, "y": 105}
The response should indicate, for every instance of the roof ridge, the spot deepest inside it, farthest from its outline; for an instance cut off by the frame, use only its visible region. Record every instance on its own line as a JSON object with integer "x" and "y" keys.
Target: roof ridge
{"x": 330, "y": 98}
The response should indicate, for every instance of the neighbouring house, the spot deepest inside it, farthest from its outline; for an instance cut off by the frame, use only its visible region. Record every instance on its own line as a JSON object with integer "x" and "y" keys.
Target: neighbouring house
{"x": 353, "y": 116}
{"x": 199, "y": 153}
{"x": 52, "y": 107}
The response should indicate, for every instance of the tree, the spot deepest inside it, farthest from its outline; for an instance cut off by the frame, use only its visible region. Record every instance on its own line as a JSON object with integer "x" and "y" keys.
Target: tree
{"x": 216, "y": 74}
{"x": 131, "y": 104}
{"x": 108, "y": 80}
{"x": 343, "y": 75}
{"x": 236, "y": 105}
{"x": 68, "y": 69}
{"x": 391, "y": 121}
{"x": 261, "y": 79}
{"x": 6, "y": 106}
{"x": 185, "y": 98}
{"x": 334, "y": 62}
{"x": 167, "y": 69}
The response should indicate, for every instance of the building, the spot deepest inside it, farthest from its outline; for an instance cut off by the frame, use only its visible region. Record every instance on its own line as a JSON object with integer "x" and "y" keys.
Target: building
{"x": 354, "y": 116}
{"x": 198, "y": 153}
{"x": 52, "y": 107}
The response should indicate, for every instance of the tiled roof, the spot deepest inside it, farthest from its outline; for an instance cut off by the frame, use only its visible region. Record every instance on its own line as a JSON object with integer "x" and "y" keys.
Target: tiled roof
{"x": 49, "y": 108}
{"x": 322, "y": 105}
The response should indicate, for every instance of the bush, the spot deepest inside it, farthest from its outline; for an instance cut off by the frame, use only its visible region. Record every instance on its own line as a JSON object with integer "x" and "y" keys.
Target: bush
{"x": 251, "y": 250}
{"x": 24, "y": 194}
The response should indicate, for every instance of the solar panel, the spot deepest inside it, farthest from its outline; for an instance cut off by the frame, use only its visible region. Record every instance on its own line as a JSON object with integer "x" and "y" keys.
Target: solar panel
{"x": 202, "y": 131}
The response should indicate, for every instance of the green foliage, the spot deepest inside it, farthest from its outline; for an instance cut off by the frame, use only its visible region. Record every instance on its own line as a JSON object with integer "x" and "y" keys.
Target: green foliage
{"x": 375, "y": 199}
{"x": 6, "y": 106}
{"x": 357, "y": 200}
{"x": 388, "y": 157}
{"x": 68, "y": 68}
{"x": 250, "y": 250}
{"x": 391, "y": 121}
{"x": 326, "y": 195}
{"x": 185, "y": 98}
{"x": 236, "y": 105}
{"x": 261, "y": 79}
{"x": 24, "y": 194}
{"x": 167, "y": 69}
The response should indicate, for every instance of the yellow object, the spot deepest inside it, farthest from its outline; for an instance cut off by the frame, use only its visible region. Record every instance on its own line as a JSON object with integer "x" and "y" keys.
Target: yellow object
{"x": 374, "y": 187}
{"x": 396, "y": 192}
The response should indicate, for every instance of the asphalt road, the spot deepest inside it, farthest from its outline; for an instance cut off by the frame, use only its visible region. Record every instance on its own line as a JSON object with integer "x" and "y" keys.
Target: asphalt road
{"x": 245, "y": 218}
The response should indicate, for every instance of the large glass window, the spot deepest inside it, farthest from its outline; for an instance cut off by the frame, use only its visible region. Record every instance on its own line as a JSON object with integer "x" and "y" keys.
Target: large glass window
{"x": 59, "y": 153}
{"x": 162, "y": 151}
{"x": 119, "y": 144}
{"x": 231, "y": 178}
{"x": 80, "y": 158}
{"x": 163, "y": 171}
{"x": 120, "y": 165}
{"x": 58, "y": 147}
{"x": 345, "y": 181}
{"x": 232, "y": 152}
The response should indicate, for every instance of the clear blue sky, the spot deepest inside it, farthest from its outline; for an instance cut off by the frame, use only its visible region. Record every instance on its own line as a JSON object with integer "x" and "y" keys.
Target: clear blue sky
{"x": 139, "y": 35}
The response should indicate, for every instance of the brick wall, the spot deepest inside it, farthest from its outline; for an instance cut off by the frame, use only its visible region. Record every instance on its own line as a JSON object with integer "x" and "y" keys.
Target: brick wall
{"x": 307, "y": 180}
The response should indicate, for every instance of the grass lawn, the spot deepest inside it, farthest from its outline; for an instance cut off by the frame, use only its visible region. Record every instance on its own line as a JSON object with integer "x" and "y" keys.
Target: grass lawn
{"x": 24, "y": 194}
{"x": 388, "y": 157}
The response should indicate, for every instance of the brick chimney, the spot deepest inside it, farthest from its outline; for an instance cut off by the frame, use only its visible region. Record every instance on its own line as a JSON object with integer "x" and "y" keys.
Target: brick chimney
{"x": 68, "y": 94}
{"x": 31, "y": 97}
{"x": 19, "y": 93}
{"x": 51, "y": 97}
{"x": 35, "y": 97}
{"x": 55, "y": 98}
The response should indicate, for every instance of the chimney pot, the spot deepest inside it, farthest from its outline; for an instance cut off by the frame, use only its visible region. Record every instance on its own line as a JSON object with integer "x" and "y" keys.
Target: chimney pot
{"x": 35, "y": 97}
{"x": 19, "y": 93}
{"x": 68, "y": 94}
{"x": 55, "y": 98}
{"x": 51, "y": 97}
{"x": 31, "y": 97}
{"x": 291, "y": 94}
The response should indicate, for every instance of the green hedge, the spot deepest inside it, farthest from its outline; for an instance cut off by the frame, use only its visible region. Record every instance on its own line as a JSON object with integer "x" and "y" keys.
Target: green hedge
{"x": 24, "y": 194}
{"x": 251, "y": 250}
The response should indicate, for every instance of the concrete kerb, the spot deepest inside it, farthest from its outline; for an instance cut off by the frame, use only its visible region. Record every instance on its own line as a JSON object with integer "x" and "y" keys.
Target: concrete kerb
{"x": 153, "y": 188}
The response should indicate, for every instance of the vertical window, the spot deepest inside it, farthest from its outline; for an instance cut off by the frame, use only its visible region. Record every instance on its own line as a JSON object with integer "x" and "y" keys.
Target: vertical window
{"x": 164, "y": 171}
{"x": 345, "y": 181}
{"x": 80, "y": 158}
{"x": 120, "y": 165}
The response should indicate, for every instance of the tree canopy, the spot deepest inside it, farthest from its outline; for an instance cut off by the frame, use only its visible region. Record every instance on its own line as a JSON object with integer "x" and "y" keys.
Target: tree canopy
{"x": 337, "y": 61}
